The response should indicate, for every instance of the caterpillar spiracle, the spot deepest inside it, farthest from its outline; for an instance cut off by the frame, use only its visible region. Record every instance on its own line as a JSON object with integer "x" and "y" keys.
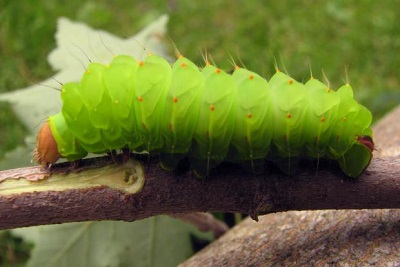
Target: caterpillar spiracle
{"x": 208, "y": 115}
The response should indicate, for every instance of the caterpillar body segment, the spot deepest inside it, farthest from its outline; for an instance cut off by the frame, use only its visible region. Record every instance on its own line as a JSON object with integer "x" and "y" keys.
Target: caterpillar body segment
{"x": 320, "y": 123}
{"x": 67, "y": 143}
{"x": 216, "y": 120}
{"x": 120, "y": 77}
{"x": 181, "y": 112}
{"x": 208, "y": 115}
{"x": 254, "y": 126}
{"x": 153, "y": 81}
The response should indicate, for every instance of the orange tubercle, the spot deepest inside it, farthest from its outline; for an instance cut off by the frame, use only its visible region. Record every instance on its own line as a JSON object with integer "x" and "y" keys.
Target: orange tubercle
{"x": 46, "y": 152}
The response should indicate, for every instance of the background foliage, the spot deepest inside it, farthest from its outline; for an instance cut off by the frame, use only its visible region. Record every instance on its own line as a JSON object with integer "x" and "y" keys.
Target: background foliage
{"x": 330, "y": 37}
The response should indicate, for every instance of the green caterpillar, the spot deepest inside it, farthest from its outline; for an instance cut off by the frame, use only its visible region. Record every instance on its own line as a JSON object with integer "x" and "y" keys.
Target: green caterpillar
{"x": 209, "y": 115}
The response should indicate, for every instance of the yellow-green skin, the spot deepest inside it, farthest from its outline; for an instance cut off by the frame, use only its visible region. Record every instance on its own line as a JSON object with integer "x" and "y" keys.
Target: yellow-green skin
{"x": 210, "y": 116}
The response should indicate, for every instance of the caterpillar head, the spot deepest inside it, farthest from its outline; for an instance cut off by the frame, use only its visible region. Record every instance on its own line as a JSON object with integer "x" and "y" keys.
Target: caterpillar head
{"x": 46, "y": 151}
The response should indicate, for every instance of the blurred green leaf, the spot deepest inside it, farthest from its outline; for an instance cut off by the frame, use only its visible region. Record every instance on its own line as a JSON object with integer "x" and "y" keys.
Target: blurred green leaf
{"x": 12, "y": 132}
{"x": 157, "y": 241}
{"x": 13, "y": 250}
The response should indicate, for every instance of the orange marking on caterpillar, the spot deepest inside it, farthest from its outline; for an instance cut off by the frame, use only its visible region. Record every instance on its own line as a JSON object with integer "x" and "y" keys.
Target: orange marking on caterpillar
{"x": 290, "y": 81}
{"x": 140, "y": 98}
{"x": 323, "y": 118}
{"x": 217, "y": 71}
{"x": 251, "y": 77}
{"x": 289, "y": 115}
{"x": 249, "y": 115}
{"x": 183, "y": 65}
{"x": 175, "y": 99}
{"x": 212, "y": 108}
{"x": 140, "y": 63}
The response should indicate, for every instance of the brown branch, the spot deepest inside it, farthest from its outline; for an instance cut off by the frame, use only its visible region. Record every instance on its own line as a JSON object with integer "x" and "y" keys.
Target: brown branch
{"x": 104, "y": 193}
{"x": 308, "y": 238}
{"x": 324, "y": 237}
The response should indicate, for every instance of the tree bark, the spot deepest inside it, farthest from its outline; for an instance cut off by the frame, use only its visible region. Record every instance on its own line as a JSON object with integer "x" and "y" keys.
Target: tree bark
{"x": 100, "y": 190}
{"x": 308, "y": 238}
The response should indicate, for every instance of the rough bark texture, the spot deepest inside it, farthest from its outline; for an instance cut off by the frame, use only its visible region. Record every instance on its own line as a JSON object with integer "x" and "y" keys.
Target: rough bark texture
{"x": 319, "y": 238}
{"x": 304, "y": 238}
{"x": 387, "y": 135}
{"x": 166, "y": 193}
